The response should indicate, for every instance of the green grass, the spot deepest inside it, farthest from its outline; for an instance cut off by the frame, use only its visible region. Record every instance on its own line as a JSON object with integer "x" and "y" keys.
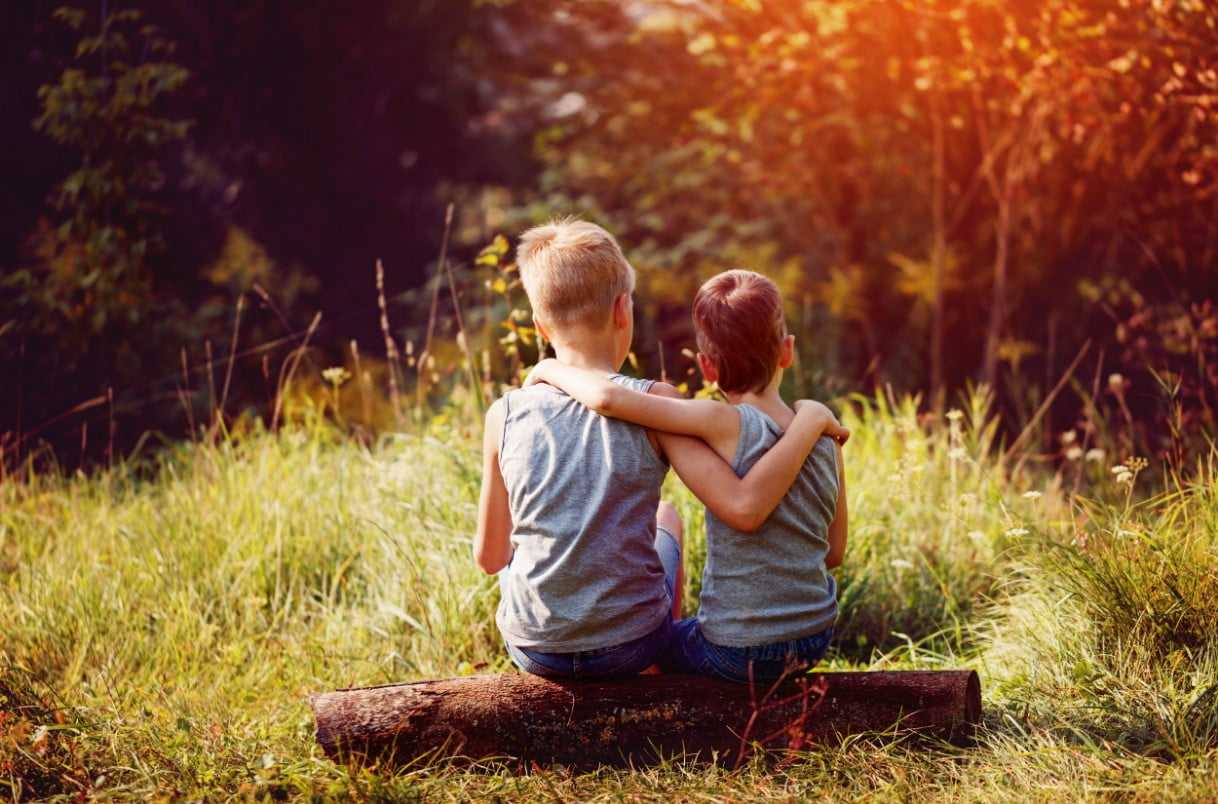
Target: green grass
{"x": 161, "y": 624}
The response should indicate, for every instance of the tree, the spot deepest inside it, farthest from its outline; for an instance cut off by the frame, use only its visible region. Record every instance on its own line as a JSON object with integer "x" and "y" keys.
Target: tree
{"x": 943, "y": 173}
{"x": 95, "y": 268}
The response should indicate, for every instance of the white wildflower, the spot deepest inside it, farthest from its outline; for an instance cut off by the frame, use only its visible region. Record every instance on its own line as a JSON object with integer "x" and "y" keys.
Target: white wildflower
{"x": 1031, "y": 495}
{"x": 336, "y": 375}
{"x": 1017, "y": 532}
{"x": 1095, "y": 455}
{"x": 1074, "y": 453}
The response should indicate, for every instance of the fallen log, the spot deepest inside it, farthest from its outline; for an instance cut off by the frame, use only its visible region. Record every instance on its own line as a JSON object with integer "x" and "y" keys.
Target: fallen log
{"x": 588, "y": 723}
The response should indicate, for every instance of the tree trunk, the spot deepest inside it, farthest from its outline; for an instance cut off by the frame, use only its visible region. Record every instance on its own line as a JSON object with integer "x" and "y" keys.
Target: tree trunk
{"x": 998, "y": 297}
{"x": 588, "y": 723}
{"x": 938, "y": 254}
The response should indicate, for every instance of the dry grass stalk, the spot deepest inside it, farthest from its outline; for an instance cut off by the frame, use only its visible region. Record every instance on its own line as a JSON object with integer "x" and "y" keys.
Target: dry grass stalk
{"x": 211, "y": 384}
{"x": 391, "y": 349}
{"x": 435, "y": 304}
{"x": 110, "y": 435}
{"x": 362, "y": 382}
{"x": 232, "y": 354}
{"x": 462, "y": 338}
{"x": 289, "y": 368}
{"x": 186, "y": 406}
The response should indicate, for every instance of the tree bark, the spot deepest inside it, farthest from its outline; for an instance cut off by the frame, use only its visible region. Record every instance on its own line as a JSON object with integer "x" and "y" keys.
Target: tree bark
{"x": 589, "y": 723}
{"x": 998, "y": 294}
{"x": 938, "y": 252}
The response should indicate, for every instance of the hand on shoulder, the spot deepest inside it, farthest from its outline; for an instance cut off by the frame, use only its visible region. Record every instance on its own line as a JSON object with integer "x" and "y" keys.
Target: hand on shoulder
{"x": 833, "y": 428}
{"x": 538, "y": 373}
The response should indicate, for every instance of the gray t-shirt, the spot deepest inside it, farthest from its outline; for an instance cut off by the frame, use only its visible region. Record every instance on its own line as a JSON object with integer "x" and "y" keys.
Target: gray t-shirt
{"x": 772, "y": 585}
{"x": 583, "y": 491}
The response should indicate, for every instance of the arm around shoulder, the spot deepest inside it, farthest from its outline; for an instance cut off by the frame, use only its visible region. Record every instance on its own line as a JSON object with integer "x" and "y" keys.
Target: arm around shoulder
{"x": 742, "y": 503}
{"x": 769, "y": 480}
{"x": 670, "y": 411}
{"x": 661, "y": 409}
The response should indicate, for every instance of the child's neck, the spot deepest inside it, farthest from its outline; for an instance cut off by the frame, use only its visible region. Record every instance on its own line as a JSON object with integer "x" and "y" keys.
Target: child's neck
{"x": 598, "y": 354}
{"x": 769, "y": 401}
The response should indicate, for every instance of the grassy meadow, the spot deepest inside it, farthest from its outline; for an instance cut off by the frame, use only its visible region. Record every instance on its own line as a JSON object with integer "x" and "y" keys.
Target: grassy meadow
{"x": 161, "y": 623}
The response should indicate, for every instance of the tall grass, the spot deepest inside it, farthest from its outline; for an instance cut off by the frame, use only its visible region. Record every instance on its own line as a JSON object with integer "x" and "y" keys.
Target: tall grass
{"x": 161, "y": 623}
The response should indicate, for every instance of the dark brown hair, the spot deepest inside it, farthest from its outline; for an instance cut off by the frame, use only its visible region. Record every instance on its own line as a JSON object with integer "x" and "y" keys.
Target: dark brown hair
{"x": 738, "y": 321}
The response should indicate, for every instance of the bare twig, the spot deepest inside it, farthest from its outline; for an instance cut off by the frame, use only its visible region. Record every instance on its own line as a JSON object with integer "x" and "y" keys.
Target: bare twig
{"x": 794, "y": 729}
{"x": 1044, "y": 406}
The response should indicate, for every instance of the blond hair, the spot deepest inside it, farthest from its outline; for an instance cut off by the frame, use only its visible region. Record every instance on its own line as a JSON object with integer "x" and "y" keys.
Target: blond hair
{"x": 572, "y": 271}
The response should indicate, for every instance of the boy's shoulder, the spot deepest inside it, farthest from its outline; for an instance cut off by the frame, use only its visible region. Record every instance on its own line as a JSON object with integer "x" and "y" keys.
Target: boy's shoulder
{"x": 661, "y": 388}
{"x": 496, "y": 415}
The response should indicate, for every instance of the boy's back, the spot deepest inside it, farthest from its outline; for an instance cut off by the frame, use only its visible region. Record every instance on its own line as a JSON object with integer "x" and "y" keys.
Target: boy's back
{"x": 772, "y": 585}
{"x": 583, "y": 491}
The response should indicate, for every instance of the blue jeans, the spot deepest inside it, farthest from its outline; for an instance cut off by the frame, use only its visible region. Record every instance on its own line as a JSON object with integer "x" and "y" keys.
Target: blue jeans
{"x": 691, "y": 652}
{"x": 627, "y": 659}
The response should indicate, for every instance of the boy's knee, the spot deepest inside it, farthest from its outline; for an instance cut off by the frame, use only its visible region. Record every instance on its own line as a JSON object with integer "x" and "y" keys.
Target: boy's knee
{"x": 668, "y": 518}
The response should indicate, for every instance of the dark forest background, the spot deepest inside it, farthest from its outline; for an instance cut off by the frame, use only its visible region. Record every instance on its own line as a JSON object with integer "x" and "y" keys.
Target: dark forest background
{"x": 948, "y": 193}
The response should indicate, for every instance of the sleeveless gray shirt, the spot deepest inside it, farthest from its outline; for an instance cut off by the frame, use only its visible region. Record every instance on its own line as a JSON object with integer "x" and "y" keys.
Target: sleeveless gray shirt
{"x": 772, "y": 585}
{"x": 583, "y": 491}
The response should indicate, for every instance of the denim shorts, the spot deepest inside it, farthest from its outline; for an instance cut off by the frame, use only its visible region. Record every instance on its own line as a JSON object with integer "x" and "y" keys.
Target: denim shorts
{"x": 691, "y": 652}
{"x": 628, "y": 658}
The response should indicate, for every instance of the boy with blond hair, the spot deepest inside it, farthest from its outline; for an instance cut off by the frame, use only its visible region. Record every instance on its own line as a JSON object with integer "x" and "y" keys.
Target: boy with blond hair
{"x": 768, "y": 600}
{"x": 570, "y": 517}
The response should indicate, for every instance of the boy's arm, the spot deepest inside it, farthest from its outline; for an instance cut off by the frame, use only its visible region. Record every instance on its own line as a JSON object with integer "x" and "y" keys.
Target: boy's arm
{"x": 492, "y": 544}
{"x": 837, "y": 528}
{"x": 744, "y": 503}
{"x": 703, "y": 418}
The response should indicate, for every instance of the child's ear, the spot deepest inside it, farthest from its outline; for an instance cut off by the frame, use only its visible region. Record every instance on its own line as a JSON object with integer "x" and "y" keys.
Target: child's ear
{"x": 621, "y": 311}
{"x": 710, "y": 372}
{"x": 786, "y": 355}
{"x": 541, "y": 328}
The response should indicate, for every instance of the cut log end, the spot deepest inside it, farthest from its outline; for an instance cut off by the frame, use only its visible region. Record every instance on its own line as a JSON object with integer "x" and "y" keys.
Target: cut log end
{"x": 588, "y": 723}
